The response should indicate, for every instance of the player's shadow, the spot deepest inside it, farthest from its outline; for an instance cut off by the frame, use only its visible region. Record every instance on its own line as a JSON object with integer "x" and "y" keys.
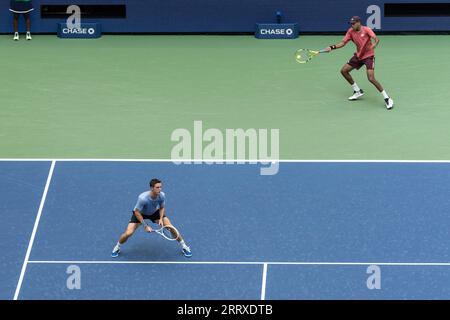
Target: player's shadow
{"x": 151, "y": 250}
{"x": 369, "y": 100}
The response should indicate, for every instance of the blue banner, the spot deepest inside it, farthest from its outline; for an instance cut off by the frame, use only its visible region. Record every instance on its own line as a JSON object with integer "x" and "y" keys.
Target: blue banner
{"x": 276, "y": 30}
{"x": 217, "y": 16}
{"x": 86, "y": 31}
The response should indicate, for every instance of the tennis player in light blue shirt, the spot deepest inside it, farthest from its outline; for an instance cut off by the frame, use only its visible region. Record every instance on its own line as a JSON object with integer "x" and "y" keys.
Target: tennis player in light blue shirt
{"x": 152, "y": 206}
{"x": 147, "y": 205}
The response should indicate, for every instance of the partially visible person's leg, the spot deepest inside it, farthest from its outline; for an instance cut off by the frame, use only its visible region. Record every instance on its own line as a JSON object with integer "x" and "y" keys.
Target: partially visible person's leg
{"x": 371, "y": 78}
{"x": 186, "y": 250}
{"x": 166, "y": 222}
{"x": 345, "y": 71}
{"x": 27, "y": 21}
{"x": 131, "y": 228}
{"x": 370, "y": 65}
{"x": 16, "y": 22}
{"x": 16, "y": 26}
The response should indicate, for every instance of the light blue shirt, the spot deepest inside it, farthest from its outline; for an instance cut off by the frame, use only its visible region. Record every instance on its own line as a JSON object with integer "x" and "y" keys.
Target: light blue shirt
{"x": 148, "y": 206}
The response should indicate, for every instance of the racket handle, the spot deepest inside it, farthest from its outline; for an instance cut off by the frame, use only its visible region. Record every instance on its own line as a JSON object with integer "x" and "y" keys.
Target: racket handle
{"x": 323, "y": 51}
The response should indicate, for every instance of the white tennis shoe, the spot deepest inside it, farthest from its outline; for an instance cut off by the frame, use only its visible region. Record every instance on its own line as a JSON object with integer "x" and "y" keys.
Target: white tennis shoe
{"x": 115, "y": 252}
{"x": 356, "y": 95}
{"x": 29, "y": 36}
{"x": 389, "y": 103}
{"x": 16, "y": 36}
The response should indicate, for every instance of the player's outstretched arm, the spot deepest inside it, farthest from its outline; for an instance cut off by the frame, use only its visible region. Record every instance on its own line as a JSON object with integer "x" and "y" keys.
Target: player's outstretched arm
{"x": 335, "y": 46}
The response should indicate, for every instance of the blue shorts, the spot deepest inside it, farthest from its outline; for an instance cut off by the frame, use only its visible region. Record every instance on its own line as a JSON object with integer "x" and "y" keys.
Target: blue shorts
{"x": 21, "y": 6}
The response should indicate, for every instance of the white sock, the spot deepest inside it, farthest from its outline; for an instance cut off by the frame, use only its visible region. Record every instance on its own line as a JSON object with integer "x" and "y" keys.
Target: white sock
{"x": 182, "y": 244}
{"x": 355, "y": 87}
{"x": 385, "y": 95}
{"x": 118, "y": 245}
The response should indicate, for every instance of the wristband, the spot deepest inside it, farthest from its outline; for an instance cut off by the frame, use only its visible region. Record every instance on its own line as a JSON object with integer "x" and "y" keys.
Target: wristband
{"x": 333, "y": 47}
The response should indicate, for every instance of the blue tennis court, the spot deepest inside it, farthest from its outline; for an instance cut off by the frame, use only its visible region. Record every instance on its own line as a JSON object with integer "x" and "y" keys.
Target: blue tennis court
{"x": 309, "y": 232}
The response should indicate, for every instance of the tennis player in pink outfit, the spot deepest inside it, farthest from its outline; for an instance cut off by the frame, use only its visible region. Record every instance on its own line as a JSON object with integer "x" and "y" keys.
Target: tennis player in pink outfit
{"x": 366, "y": 41}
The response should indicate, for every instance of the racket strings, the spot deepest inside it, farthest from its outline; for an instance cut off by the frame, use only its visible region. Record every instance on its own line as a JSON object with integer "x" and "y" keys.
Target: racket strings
{"x": 170, "y": 232}
{"x": 304, "y": 55}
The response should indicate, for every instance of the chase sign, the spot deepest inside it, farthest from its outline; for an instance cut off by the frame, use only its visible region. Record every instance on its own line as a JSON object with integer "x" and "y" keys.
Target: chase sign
{"x": 276, "y": 30}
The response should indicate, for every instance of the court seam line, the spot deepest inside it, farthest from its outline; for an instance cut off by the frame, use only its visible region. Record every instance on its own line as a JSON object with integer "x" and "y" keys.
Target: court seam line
{"x": 245, "y": 263}
{"x": 264, "y": 279}
{"x": 35, "y": 227}
{"x": 218, "y": 161}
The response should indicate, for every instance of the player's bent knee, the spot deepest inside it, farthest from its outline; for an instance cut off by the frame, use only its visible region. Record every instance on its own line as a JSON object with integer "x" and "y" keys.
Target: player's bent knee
{"x": 345, "y": 72}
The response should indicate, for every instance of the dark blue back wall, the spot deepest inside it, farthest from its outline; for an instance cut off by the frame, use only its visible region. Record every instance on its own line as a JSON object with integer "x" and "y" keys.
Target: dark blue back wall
{"x": 232, "y": 15}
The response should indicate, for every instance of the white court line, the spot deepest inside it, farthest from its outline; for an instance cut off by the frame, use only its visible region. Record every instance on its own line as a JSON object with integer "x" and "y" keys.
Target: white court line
{"x": 203, "y": 161}
{"x": 263, "y": 287}
{"x": 446, "y": 264}
{"x": 33, "y": 234}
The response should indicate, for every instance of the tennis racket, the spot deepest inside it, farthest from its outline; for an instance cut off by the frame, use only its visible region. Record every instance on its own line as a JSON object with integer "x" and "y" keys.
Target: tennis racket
{"x": 304, "y": 55}
{"x": 168, "y": 232}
